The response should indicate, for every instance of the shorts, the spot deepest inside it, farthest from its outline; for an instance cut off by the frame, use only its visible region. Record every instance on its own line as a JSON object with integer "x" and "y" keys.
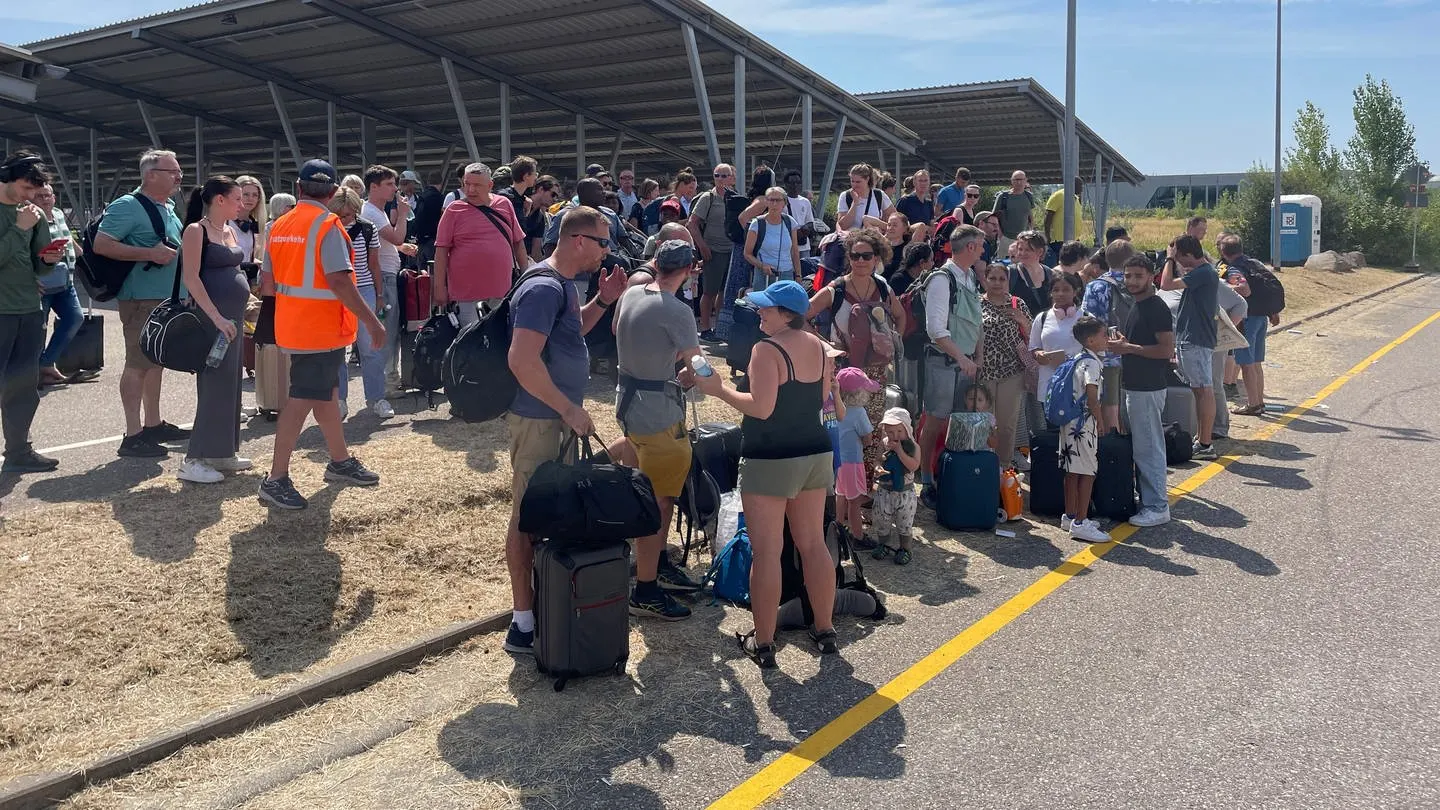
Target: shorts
{"x": 315, "y": 375}
{"x": 133, "y": 315}
{"x": 786, "y": 477}
{"x": 665, "y": 458}
{"x": 1079, "y": 446}
{"x": 532, "y": 443}
{"x": 1195, "y": 365}
{"x": 1110, "y": 386}
{"x": 713, "y": 272}
{"x": 850, "y": 480}
{"x": 1254, "y": 327}
{"x": 944, "y": 385}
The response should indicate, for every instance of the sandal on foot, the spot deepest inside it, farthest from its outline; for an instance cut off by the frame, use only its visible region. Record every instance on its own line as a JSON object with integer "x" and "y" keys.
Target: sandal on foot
{"x": 1249, "y": 410}
{"x": 902, "y": 556}
{"x": 825, "y": 640}
{"x": 762, "y": 654}
{"x": 882, "y": 551}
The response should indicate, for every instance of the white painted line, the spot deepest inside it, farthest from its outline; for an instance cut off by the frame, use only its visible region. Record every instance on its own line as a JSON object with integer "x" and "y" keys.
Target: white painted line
{"x": 92, "y": 442}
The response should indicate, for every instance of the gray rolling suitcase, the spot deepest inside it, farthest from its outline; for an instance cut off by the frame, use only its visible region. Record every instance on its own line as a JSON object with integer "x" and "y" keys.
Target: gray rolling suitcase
{"x": 582, "y": 611}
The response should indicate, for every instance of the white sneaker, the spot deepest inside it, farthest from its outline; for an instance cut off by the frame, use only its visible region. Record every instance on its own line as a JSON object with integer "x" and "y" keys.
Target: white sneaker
{"x": 1089, "y": 530}
{"x": 1151, "y": 517}
{"x": 383, "y": 409}
{"x": 1066, "y": 522}
{"x": 196, "y": 471}
{"x": 344, "y": 409}
{"x": 231, "y": 464}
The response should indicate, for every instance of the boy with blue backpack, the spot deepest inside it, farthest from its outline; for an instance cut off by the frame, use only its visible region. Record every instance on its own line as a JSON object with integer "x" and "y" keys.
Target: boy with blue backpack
{"x": 1072, "y": 404}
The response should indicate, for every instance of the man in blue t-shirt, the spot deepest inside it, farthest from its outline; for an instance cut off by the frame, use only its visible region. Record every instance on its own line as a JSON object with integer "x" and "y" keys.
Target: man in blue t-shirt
{"x": 1186, "y": 269}
{"x": 127, "y": 233}
{"x": 953, "y": 195}
{"x": 552, "y": 365}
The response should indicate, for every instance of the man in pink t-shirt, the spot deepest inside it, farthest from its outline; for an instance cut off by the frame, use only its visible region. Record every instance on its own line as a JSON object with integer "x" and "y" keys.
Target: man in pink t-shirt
{"x": 478, "y": 244}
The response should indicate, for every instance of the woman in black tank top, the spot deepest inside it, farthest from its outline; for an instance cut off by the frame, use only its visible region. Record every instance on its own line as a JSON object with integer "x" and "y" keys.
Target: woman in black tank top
{"x": 786, "y": 467}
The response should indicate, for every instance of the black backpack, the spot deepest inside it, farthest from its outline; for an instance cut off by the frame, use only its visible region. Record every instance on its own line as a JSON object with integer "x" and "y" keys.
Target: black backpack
{"x": 1267, "y": 294}
{"x": 735, "y": 205}
{"x": 476, "y": 368}
{"x": 431, "y": 342}
{"x": 102, "y": 276}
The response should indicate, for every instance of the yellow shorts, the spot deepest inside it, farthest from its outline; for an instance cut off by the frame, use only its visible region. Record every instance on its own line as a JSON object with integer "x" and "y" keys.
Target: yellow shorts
{"x": 532, "y": 443}
{"x": 665, "y": 458}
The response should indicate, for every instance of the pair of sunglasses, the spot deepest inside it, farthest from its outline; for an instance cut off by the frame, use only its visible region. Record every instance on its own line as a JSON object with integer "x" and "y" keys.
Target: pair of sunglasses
{"x": 862, "y": 257}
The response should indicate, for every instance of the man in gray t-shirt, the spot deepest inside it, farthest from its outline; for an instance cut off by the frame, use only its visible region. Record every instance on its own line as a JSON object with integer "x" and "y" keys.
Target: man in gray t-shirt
{"x": 655, "y": 330}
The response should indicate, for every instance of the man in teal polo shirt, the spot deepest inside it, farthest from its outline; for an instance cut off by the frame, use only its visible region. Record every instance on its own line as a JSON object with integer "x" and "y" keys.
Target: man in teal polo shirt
{"x": 128, "y": 233}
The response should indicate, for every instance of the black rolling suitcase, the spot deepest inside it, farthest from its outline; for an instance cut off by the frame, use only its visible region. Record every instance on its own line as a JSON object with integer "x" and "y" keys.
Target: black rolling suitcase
{"x": 1113, "y": 495}
{"x": 582, "y": 611}
{"x": 86, "y": 351}
{"x": 1047, "y": 480}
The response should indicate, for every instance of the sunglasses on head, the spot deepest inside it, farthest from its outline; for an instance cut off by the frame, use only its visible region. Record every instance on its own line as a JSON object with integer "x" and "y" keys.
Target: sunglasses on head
{"x": 861, "y": 257}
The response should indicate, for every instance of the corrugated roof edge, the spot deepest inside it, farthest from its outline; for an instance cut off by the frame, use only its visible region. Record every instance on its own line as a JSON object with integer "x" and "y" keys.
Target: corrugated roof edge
{"x": 163, "y": 18}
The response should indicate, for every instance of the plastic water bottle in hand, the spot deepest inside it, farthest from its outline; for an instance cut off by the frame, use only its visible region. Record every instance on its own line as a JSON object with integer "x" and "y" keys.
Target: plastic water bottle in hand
{"x": 702, "y": 368}
{"x": 217, "y": 351}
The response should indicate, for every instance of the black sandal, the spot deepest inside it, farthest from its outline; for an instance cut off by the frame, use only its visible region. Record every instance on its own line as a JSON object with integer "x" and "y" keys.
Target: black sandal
{"x": 825, "y": 640}
{"x": 762, "y": 654}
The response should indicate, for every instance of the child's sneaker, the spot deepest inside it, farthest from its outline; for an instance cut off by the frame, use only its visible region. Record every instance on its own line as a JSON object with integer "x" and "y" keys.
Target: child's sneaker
{"x": 1089, "y": 530}
{"x": 1203, "y": 452}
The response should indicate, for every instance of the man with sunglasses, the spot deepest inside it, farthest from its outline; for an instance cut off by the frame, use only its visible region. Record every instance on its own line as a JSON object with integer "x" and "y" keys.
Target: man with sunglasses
{"x": 551, "y": 363}
{"x": 707, "y": 229}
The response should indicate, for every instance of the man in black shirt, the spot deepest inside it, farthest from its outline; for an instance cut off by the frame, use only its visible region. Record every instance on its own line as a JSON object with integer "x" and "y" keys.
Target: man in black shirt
{"x": 1146, "y": 349}
{"x": 429, "y": 207}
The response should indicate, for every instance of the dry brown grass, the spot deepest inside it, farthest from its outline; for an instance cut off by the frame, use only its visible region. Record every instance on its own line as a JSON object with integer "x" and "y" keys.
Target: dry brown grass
{"x": 164, "y": 603}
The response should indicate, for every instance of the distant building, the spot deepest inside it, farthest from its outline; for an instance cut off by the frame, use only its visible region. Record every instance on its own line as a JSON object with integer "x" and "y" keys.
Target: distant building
{"x": 1159, "y": 190}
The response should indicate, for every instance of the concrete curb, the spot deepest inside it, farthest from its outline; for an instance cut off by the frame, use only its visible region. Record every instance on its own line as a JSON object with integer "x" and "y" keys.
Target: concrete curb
{"x": 1366, "y": 297}
{"x": 46, "y": 790}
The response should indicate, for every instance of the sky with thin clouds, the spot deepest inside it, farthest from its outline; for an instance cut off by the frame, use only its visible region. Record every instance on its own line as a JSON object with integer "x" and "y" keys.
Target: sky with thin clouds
{"x": 1177, "y": 86}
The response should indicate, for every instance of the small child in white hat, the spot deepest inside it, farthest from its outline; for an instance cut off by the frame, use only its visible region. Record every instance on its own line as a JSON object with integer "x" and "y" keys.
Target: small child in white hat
{"x": 892, "y": 514}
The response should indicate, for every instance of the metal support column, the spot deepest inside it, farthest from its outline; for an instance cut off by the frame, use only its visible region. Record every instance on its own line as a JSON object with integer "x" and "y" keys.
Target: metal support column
{"x": 149, "y": 124}
{"x": 614, "y": 164}
{"x": 807, "y": 144}
{"x": 200, "y": 172}
{"x": 579, "y": 147}
{"x": 830, "y": 160}
{"x": 331, "y": 145}
{"x": 95, "y": 172}
{"x": 460, "y": 113}
{"x": 739, "y": 112}
{"x": 1095, "y": 189}
{"x": 505, "y": 154}
{"x": 702, "y": 93}
{"x": 409, "y": 149}
{"x": 1102, "y": 213}
{"x": 285, "y": 124}
{"x": 275, "y": 155}
{"x": 1071, "y": 158}
{"x": 1275, "y": 203}
{"x": 898, "y": 185}
{"x": 367, "y": 141}
{"x": 80, "y": 192}
{"x": 70, "y": 192}
{"x": 445, "y": 164}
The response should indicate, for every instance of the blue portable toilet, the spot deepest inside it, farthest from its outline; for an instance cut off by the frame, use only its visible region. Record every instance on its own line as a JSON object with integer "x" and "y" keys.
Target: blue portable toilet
{"x": 1299, "y": 227}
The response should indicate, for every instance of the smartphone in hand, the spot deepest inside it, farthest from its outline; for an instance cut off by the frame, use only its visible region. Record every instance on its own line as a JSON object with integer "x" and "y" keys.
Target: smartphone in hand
{"x": 55, "y": 244}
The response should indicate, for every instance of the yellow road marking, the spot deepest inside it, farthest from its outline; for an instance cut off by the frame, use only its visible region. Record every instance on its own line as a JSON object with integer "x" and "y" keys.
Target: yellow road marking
{"x": 760, "y": 787}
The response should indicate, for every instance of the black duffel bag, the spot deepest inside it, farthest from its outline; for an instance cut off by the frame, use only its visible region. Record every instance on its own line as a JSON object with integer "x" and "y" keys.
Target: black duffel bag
{"x": 177, "y": 335}
{"x": 588, "y": 503}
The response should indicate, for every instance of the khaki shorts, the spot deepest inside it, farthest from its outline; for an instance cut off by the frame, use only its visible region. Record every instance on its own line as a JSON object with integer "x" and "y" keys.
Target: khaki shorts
{"x": 532, "y": 443}
{"x": 133, "y": 315}
{"x": 665, "y": 458}
{"x": 786, "y": 477}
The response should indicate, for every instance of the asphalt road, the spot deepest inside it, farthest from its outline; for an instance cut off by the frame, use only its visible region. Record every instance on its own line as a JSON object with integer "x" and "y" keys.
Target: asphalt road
{"x": 1276, "y": 646}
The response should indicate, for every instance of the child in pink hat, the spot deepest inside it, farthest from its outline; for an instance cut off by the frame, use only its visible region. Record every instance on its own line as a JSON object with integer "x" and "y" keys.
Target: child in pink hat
{"x": 851, "y": 486}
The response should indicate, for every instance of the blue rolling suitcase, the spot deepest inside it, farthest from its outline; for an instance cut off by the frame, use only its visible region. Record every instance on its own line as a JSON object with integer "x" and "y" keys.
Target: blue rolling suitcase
{"x": 967, "y": 490}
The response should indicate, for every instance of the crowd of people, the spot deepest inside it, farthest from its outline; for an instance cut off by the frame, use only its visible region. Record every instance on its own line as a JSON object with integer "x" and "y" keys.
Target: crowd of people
{"x": 989, "y": 308}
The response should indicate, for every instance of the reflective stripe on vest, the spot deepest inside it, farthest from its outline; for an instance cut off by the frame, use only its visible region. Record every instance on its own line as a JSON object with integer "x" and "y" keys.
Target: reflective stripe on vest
{"x": 307, "y": 288}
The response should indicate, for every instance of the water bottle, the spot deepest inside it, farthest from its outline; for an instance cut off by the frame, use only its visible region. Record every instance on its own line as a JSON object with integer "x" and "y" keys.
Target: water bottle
{"x": 731, "y": 517}
{"x": 701, "y": 366}
{"x": 217, "y": 351}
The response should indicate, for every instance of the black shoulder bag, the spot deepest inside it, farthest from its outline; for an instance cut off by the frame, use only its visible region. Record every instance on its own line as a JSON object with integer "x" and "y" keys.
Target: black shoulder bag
{"x": 588, "y": 503}
{"x": 177, "y": 335}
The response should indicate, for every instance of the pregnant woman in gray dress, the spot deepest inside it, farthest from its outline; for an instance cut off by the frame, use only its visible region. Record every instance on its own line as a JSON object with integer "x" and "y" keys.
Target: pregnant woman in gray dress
{"x": 210, "y": 259}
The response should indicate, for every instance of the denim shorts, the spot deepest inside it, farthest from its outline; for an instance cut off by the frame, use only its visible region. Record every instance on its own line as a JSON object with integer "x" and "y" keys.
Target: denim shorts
{"x": 1255, "y": 327}
{"x": 1195, "y": 365}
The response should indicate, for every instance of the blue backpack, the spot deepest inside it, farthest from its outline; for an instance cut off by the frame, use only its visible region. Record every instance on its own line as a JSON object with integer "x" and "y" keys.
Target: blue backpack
{"x": 729, "y": 575}
{"x": 1062, "y": 404}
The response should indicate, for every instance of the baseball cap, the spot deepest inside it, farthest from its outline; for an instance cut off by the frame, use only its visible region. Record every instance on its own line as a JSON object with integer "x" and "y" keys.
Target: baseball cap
{"x": 410, "y": 175}
{"x": 674, "y": 254}
{"x": 786, "y": 295}
{"x": 673, "y": 206}
{"x": 594, "y": 169}
{"x": 318, "y": 171}
{"x": 853, "y": 379}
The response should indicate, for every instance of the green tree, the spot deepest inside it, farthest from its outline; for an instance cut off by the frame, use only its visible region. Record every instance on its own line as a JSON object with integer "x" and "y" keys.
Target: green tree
{"x": 1384, "y": 141}
{"x": 1312, "y": 162}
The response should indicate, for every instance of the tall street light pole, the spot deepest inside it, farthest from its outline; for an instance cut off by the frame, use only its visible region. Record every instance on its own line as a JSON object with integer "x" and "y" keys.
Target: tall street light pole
{"x": 1069, "y": 156}
{"x": 1275, "y": 208}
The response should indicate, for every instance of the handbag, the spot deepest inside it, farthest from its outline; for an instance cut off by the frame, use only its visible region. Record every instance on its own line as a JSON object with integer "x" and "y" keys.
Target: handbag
{"x": 588, "y": 503}
{"x": 1227, "y": 337}
{"x": 177, "y": 335}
